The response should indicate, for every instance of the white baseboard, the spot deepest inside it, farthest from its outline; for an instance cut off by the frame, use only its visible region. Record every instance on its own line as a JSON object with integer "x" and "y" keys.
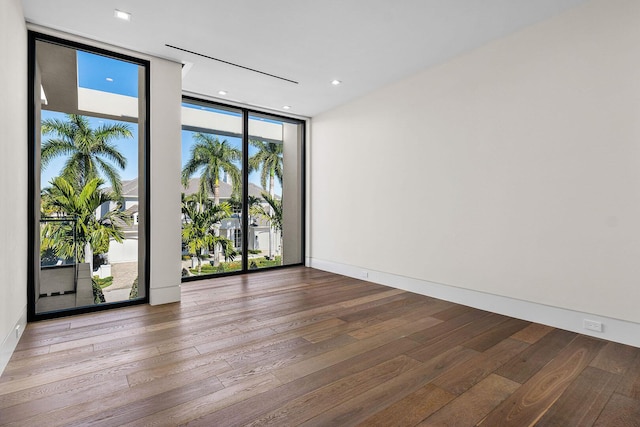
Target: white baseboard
{"x": 617, "y": 330}
{"x": 165, "y": 295}
{"x": 10, "y": 342}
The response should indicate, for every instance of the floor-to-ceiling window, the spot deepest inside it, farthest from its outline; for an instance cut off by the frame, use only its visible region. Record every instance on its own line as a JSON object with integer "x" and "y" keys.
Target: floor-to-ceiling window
{"x": 212, "y": 189}
{"x": 243, "y": 180}
{"x": 88, "y": 177}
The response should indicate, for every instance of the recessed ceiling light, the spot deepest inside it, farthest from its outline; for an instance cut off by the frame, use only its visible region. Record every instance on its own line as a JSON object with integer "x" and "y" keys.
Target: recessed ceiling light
{"x": 335, "y": 82}
{"x": 125, "y": 16}
{"x": 222, "y": 92}
{"x": 109, "y": 79}
{"x": 286, "y": 107}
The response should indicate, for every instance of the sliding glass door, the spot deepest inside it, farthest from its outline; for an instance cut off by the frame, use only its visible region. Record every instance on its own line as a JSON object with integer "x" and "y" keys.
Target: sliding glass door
{"x": 242, "y": 201}
{"x": 88, "y": 177}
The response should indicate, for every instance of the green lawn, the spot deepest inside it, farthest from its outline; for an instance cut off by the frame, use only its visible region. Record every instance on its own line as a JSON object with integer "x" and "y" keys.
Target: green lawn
{"x": 224, "y": 267}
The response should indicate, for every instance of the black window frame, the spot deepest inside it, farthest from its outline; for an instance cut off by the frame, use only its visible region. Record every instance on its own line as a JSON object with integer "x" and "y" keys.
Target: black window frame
{"x": 246, "y": 112}
{"x": 32, "y": 38}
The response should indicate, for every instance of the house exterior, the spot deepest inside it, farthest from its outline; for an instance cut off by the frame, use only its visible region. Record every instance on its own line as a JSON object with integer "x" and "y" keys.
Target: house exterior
{"x": 259, "y": 239}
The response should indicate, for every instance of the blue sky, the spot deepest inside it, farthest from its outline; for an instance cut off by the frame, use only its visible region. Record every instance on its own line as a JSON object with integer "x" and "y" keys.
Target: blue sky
{"x": 121, "y": 77}
{"x": 107, "y": 74}
{"x": 128, "y": 148}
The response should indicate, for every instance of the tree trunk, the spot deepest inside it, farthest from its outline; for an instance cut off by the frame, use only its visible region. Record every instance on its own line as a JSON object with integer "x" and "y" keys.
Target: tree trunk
{"x": 271, "y": 183}
{"x": 216, "y": 193}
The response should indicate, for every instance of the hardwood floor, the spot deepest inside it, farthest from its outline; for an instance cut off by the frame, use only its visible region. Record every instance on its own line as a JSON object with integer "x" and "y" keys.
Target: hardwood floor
{"x": 304, "y": 347}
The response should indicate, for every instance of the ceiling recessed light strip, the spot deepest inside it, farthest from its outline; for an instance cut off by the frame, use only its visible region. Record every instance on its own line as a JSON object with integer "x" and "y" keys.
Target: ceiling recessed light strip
{"x": 335, "y": 82}
{"x": 231, "y": 63}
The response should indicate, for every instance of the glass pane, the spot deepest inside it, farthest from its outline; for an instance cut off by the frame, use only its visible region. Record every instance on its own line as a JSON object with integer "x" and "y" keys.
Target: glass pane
{"x": 212, "y": 190}
{"x": 275, "y": 192}
{"x": 89, "y": 114}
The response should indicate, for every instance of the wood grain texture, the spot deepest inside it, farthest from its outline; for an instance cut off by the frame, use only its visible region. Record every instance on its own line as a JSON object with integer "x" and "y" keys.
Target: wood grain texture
{"x": 584, "y": 400}
{"x": 296, "y": 411}
{"x": 615, "y": 358}
{"x": 620, "y": 411}
{"x": 474, "y": 404}
{"x": 630, "y": 385}
{"x": 474, "y": 370}
{"x": 496, "y": 334}
{"x": 299, "y": 346}
{"x": 532, "y": 333}
{"x": 525, "y": 365}
{"x": 411, "y": 409}
{"x": 529, "y": 402}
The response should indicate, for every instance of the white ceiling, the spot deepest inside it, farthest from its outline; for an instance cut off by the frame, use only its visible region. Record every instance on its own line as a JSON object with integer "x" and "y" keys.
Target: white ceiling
{"x": 364, "y": 43}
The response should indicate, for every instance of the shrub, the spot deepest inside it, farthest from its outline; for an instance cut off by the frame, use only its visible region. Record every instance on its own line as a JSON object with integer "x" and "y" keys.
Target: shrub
{"x": 98, "y": 295}
{"x": 133, "y": 294}
{"x": 223, "y": 267}
{"x": 103, "y": 283}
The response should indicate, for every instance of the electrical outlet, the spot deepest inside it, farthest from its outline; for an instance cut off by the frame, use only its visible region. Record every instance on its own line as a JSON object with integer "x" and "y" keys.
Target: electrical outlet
{"x": 592, "y": 325}
{"x": 18, "y": 331}
{"x": 364, "y": 274}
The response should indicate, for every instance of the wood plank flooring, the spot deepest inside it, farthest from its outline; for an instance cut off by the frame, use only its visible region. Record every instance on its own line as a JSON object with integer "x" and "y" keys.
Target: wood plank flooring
{"x": 302, "y": 347}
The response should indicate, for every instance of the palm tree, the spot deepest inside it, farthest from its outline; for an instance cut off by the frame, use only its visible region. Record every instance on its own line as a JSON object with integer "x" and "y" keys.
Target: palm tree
{"x": 273, "y": 213}
{"x": 212, "y": 157}
{"x": 200, "y": 219}
{"x": 90, "y": 151}
{"x": 268, "y": 160}
{"x": 252, "y": 203}
{"x": 63, "y": 200}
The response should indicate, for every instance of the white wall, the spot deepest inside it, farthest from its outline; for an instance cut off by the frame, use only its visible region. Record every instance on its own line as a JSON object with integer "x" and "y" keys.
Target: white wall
{"x": 166, "y": 97}
{"x": 127, "y": 251}
{"x": 513, "y": 170}
{"x": 13, "y": 175}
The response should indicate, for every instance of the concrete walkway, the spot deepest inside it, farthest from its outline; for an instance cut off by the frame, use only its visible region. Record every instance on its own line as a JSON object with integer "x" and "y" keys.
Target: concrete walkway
{"x": 123, "y": 276}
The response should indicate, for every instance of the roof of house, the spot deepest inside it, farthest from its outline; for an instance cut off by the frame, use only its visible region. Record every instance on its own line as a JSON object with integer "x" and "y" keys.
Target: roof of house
{"x": 130, "y": 188}
{"x": 225, "y": 189}
{"x": 131, "y": 228}
{"x": 132, "y": 210}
